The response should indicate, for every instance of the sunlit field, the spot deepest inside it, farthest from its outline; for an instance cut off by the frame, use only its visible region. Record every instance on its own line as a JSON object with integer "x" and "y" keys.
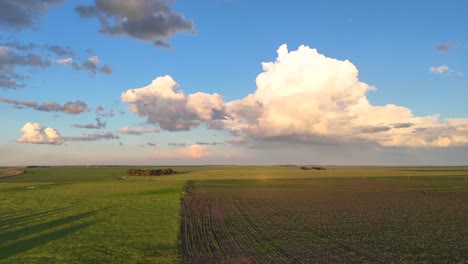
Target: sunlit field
{"x": 271, "y": 213}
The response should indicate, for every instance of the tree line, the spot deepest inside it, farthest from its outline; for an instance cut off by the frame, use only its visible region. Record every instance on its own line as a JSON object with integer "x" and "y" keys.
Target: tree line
{"x": 148, "y": 172}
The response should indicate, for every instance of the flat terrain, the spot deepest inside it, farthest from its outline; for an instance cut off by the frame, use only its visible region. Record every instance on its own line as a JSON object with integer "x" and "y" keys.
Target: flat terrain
{"x": 377, "y": 220}
{"x": 95, "y": 215}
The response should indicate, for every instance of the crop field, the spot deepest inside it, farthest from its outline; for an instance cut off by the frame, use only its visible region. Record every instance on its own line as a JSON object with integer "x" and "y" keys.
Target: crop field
{"x": 233, "y": 214}
{"x": 376, "y": 220}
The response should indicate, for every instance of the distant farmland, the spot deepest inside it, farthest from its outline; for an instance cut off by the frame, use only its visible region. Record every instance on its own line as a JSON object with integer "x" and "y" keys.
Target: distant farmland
{"x": 234, "y": 214}
{"x": 385, "y": 220}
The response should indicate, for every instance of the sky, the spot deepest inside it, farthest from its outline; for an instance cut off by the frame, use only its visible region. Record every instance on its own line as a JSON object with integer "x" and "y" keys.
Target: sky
{"x": 165, "y": 82}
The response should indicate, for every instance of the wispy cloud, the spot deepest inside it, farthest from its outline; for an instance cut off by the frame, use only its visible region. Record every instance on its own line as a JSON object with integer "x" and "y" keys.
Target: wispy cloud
{"x": 92, "y": 137}
{"x": 444, "y": 69}
{"x": 99, "y": 124}
{"x": 208, "y": 143}
{"x": 173, "y": 144}
{"x": 72, "y": 108}
{"x": 15, "y": 55}
{"x": 440, "y": 69}
{"x": 16, "y": 14}
{"x": 444, "y": 47}
{"x": 137, "y": 131}
{"x": 10, "y": 60}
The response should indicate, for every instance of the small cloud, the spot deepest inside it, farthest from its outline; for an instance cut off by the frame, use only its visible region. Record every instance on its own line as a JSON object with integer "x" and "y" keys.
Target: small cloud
{"x": 440, "y": 69}
{"x": 136, "y": 131}
{"x": 444, "y": 47}
{"x": 92, "y": 66}
{"x": 151, "y": 144}
{"x": 375, "y": 129}
{"x": 194, "y": 151}
{"x": 66, "y": 61}
{"x": 100, "y": 111}
{"x": 162, "y": 44}
{"x": 177, "y": 144}
{"x": 444, "y": 69}
{"x": 99, "y": 124}
{"x": 402, "y": 125}
{"x": 37, "y": 134}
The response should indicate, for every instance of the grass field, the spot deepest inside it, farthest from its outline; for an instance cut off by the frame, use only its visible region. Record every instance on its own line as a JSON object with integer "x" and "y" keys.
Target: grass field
{"x": 93, "y": 215}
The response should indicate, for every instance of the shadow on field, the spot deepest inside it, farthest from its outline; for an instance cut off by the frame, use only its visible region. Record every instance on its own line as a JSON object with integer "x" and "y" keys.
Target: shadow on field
{"x": 38, "y": 233}
{"x": 9, "y": 221}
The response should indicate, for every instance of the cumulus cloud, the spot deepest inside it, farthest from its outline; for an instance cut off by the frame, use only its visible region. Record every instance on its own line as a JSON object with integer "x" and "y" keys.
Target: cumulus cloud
{"x": 147, "y": 20}
{"x": 173, "y": 110}
{"x": 72, "y": 108}
{"x": 137, "y": 131}
{"x": 99, "y": 124}
{"x": 193, "y": 151}
{"x": 16, "y": 14}
{"x": 307, "y": 96}
{"x": 37, "y": 134}
{"x": 303, "y": 96}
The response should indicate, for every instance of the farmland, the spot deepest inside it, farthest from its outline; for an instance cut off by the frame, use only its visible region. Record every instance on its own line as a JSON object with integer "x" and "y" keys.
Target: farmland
{"x": 383, "y": 220}
{"x": 233, "y": 213}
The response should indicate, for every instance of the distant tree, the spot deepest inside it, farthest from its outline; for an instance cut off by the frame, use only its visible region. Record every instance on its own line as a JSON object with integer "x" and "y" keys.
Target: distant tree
{"x": 148, "y": 172}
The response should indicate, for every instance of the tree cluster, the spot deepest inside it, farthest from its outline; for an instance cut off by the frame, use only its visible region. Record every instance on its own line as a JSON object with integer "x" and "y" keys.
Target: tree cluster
{"x": 147, "y": 172}
{"x": 312, "y": 168}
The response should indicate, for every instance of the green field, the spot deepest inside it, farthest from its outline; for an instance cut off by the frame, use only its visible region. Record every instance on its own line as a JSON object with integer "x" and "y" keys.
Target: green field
{"x": 95, "y": 215}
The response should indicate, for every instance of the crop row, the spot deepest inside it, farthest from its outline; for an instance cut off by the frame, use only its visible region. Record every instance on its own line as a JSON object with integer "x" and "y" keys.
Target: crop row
{"x": 354, "y": 222}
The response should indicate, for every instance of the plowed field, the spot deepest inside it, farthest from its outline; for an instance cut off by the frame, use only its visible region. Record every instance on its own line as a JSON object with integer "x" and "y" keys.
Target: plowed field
{"x": 383, "y": 220}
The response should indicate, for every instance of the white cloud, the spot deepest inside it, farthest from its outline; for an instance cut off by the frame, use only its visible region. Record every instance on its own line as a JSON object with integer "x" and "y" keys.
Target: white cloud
{"x": 303, "y": 96}
{"x": 194, "y": 151}
{"x": 136, "y": 131}
{"x": 66, "y": 61}
{"x": 37, "y": 134}
{"x": 173, "y": 110}
{"x": 440, "y": 69}
{"x": 444, "y": 69}
{"x": 307, "y": 96}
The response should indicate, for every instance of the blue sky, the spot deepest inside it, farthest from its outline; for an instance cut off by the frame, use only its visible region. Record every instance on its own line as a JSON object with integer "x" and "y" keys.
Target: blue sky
{"x": 359, "y": 82}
